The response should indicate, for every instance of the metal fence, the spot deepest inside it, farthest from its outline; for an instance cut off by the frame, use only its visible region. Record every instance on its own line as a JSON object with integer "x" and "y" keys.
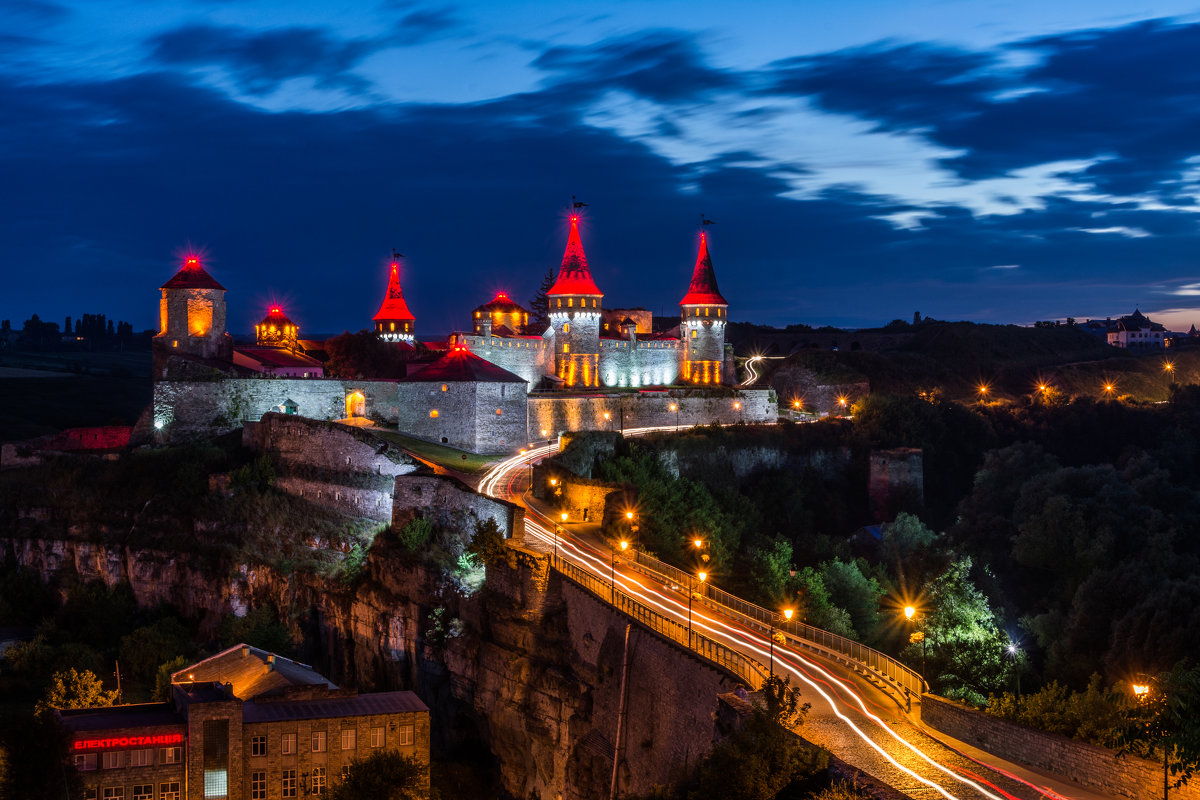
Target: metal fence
{"x": 896, "y": 677}
{"x": 741, "y": 666}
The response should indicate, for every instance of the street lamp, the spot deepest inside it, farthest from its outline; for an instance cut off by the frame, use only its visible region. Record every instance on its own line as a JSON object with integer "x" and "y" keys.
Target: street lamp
{"x": 1109, "y": 389}
{"x": 983, "y": 392}
{"x": 910, "y": 613}
{"x": 787, "y": 615}
{"x": 675, "y": 407}
{"x": 701, "y": 576}
{"x": 607, "y": 417}
{"x": 612, "y": 572}
{"x": 1015, "y": 652}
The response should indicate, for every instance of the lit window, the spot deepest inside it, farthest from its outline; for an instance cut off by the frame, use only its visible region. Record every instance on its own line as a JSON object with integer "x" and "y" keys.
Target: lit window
{"x": 570, "y": 302}
{"x": 114, "y": 793}
{"x": 318, "y": 741}
{"x": 349, "y": 738}
{"x": 406, "y": 734}
{"x": 499, "y": 411}
{"x": 318, "y": 780}
{"x": 170, "y": 755}
{"x": 143, "y": 791}
{"x": 433, "y": 412}
{"x": 566, "y": 347}
{"x": 693, "y": 334}
{"x": 86, "y": 762}
{"x": 443, "y": 387}
{"x": 258, "y": 785}
{"x": 345, "y": 771}
{"x": 392, "y": 325}
{"x": 168, "y": 791}
{"x": 258, "y": 745}
{"x": 287, "y": 745}
{"x": 376, "y": 737}
{"x": 114, "y": 760}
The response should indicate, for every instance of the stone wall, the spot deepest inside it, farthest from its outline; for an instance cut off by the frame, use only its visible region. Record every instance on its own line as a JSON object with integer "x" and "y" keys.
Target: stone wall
{"x": 477, "y": 417}
{"x": 896, "y": 481}
{"x": 531, "y": 357}
{"x": 501, "y": 417}
{"x": 1087, "y": 764}
{"x": 357, "y": 501}
{"x": 816, "y": 393}
{"x": 446, "y": 500}
{"x": 186, "y": 410}
{"x": 556, "y": 414}
{"x": 634, "y": 363}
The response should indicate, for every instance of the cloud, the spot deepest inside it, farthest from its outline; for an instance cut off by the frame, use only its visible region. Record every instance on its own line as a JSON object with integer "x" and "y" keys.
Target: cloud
{"x": 425, "y": 25}
{"x": 260, "y": 61}
{"x": 42, "y": 12}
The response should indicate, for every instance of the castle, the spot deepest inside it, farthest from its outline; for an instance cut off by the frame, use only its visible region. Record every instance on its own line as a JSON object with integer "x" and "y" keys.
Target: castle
{"x": 492, "y": 389}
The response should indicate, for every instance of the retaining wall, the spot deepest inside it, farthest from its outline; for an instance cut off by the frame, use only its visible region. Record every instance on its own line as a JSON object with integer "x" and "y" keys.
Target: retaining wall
{"x": 443, "y": 499}
{"x": 1086, "y": 764}
{"x": 559, "y": 413}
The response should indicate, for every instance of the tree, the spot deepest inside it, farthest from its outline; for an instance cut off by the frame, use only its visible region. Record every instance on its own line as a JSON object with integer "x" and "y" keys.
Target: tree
{"x": 765, "y": 757}
{"x": 73, "y": 689}
{"x": 384, "y": 775}
{"x": 142, "y": 650}
{"x": 539, "y": 305}
{"x": 162, "y": 677}
{"x": 363, "y": 355}
{"x": 1165, "y": 717}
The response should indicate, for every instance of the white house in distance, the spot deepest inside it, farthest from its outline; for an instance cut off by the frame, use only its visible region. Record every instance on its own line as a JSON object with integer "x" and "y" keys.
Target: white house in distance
{"x": 1136, "y": 332}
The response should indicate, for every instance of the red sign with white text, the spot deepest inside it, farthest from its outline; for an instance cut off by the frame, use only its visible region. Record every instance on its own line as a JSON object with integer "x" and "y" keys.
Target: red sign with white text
{"x": 155, "y": 740}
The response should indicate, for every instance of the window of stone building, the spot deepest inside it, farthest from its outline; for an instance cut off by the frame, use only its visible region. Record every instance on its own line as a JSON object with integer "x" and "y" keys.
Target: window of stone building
{"x": 91, "y": 793}
{"x": 287, "y": 783}
{"x": 345, "y": 771}
{"x": 567, "y": 327}
{"x": 499, "y": 411}
{"x": 170, "y": 755}
{"x": 406, "y": 734}
{"x": 141, "y": 758}
{"x": 318, "y": 741}
{"x": 86, "y": 762}
{"x": 349, "y": 738}
{"x": 258, "y": 785}
{"x": 114, "y": 793}
{"x": 376, "y": 737}
{"x": 168, "y": 791}
{"x": 443, "y": 387}
{"x": 114, "y": 760}
{"x": 318, "y": 780}
{"x": 215, "y": 758}
{"x": 143, "y": 791}
{"x": 433, "y": 412}
{"x": 258, "y": 746}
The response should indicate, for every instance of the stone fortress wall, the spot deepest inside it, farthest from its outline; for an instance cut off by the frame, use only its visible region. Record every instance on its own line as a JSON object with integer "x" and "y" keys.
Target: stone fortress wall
{"x": 479, "y": 417}
{"x": 633, "y": 363}
{"x": 446, "y": 501}
{"x": 185, "y": 410}
{"x": 529, "y": 357}
{"x": 558, "y": 413}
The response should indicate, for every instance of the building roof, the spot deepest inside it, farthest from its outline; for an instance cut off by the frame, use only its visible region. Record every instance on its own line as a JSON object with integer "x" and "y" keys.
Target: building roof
{"x": 703, "y": 290}
{"x": 503, "y": 304}
{"x": 276, "y": 317}
{"x": 250, "y": 671}
{"x": 192, "y": 276}
{"x": 574, "y": 277}
{"x": 394, "y": 309}
{"x": 276, "y": 357}
{"x": 352, "y": 706}
{"x": 138, "y": 715}
{"x": 461, "y": 365}
{"x": 1135, "y": 322}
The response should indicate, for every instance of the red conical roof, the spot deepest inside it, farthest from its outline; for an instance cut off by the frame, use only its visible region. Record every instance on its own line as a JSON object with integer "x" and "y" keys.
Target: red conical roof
{"x": 703, "y": 291}
{"x": 394, "y": 308}
{"x": 192, "y": 276}
{"x": 574, "y": 277}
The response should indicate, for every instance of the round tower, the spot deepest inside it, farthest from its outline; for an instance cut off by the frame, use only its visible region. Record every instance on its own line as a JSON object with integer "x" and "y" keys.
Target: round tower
{"x": 276, "y": 330}
{"x": 703, "y": 313}
{"x": 574, "y": 306}
{"x": 394, "y": 322}
{"x": 192, "y": 314}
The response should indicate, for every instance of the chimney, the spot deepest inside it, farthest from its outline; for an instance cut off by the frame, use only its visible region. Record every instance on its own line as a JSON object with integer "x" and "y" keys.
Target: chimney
{"x": 270, "y": 662}
{"x": 245, "y": 650}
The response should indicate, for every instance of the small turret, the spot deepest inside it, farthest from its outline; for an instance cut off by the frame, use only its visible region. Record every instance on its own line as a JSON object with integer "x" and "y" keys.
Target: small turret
{"x": 394, "y": 322}
{"x": 276, "y": 330}
{"x": 192, "y": 314}
{"x": 574, "y": 306}
{"x": 703, "y": 313}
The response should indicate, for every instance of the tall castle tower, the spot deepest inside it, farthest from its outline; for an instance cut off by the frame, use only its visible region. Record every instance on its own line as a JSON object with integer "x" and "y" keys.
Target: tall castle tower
{"x": 703, "y": 313}
{"x": 394, "y": 322}
{"x": 574, "y": 302}
{"x": 192, "y": 314}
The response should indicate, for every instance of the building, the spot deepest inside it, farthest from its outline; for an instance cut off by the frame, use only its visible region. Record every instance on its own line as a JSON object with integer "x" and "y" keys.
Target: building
{"x": 394, "y": 322}
{"x": 278, "y": 351}
{"x": 1136, "y": 332}
{"x": 244, "y": 723}
{"x": 192, "y": 314}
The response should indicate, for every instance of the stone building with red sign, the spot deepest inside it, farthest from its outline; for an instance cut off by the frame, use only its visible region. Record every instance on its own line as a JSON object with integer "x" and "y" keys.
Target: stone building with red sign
{"x": 244, "y": 723}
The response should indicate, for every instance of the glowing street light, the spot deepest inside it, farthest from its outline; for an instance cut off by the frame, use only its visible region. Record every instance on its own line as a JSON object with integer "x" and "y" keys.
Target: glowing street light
{"x": 787, "y": 616}
{"x": 910, "y": 614}
{"x": 612, "y": 573}
{"x": 983, "y": 389}
{"x": 1109, "y": 389}
{"x": 701, "y": 576}
{"x": 1015, "y": 653}
{"x": 1141, "y": 691}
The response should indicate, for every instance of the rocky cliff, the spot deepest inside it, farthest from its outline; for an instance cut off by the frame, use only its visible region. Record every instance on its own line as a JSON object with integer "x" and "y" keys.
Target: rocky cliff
{"x": 534, "y": 669}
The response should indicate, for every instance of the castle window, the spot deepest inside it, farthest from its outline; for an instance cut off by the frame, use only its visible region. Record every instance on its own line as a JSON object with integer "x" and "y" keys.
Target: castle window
{"x": 706, "y": 312}
{"x": 570, "y": 302}
{"x": 566, "y": 327}
{"x": 566, "y": 347}
{"x": 560, "y": 302}
{"x": 433, "y": 413}
{"x": 443, "y": 387}
{"x": 499, "y": 411}
{"x": 393, "y": 325}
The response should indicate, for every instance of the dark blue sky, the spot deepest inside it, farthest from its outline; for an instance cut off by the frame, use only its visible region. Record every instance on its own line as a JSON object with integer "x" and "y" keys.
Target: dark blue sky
{"x": 1001, "y": 163}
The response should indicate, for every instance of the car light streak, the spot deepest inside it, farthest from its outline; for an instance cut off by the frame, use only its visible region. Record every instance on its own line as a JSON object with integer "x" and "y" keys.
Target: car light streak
{"x": 665, "y": 598}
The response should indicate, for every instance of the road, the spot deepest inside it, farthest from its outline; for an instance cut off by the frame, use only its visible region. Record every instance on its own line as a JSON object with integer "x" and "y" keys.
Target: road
{"x": 852, "y": 718}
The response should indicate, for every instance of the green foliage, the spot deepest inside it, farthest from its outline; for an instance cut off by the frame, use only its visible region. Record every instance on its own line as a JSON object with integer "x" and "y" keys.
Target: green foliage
{"x": 363, "y": 355}
{"x": 143, "y": 649}
{"x": 414, "y": 536}
{"x": 844, "y": 791}
{"x": 74, "y": 689}
{"x": 487, "y": 546}
{"x": 853, "y": 591}
{"x": 162, "y": 677}
{"x": 817, "y": 607}
{"x": 765, "y": 757}
{"x": 1090, "y": 715}
{"x": 1166, "y": 722}
{"x": 909, "y": 550}
{"x": 256, "y": 476}
{"x": 261, "y": 627}
{"x": 384, "y": 775}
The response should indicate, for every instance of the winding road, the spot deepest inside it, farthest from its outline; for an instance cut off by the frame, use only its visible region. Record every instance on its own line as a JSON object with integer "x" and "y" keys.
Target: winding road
{"x": 853, "y": 718}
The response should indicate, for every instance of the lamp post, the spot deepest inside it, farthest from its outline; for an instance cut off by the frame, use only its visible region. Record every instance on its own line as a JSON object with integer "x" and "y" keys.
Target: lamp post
{"x": 675, "y": 407}
{"x": 910, "y": 613}
{"x": 607, "y": 417}
{"x": 612, "y": 573}
{"x": 557, "y": 533}
{"x": 1015, "y": 652}
{"x": 787, "y": 615}
{"x": 701, "y": 576}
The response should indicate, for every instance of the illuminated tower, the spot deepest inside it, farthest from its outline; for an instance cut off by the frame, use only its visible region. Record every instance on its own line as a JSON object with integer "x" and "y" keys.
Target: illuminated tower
{"x": 192, "y": 314}
{"x": 276, "y": 330}
{"x": 703, "y": 313}
{"x": 394, "y": 322}
{"x": 574, "y": 302}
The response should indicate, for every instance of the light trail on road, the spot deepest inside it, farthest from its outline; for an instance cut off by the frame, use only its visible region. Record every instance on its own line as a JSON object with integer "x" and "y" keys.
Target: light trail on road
{"x": 842, "y": 697}
{"x": 751, "y": 365}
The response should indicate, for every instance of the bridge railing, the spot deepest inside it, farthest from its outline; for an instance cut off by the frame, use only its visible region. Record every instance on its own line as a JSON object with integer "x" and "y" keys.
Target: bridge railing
{"x": 744, "y": 668}
{"x": 901, "y": 679}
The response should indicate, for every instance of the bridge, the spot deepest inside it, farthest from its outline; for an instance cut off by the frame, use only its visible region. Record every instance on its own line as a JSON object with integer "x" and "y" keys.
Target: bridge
{"x": 865, "y": 704}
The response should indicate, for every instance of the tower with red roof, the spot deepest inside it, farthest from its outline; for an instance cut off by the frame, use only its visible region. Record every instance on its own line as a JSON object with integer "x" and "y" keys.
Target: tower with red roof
{"x": 394, "y": 322}
{"x": 703, "y": 313}
{"x": 277, "y": 330}
{"x": 574, "y": 306}
{"x": 192, "y": 314}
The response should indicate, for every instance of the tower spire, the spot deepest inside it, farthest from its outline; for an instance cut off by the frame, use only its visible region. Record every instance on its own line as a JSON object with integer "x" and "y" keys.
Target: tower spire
{"x": 703, "y": 289}
{"x": 393, "y": 321}
{"x": 574, "y": 277}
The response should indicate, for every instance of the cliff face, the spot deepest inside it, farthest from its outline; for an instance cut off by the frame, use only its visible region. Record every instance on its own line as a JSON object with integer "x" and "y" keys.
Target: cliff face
{"x": 549, "y": 679}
